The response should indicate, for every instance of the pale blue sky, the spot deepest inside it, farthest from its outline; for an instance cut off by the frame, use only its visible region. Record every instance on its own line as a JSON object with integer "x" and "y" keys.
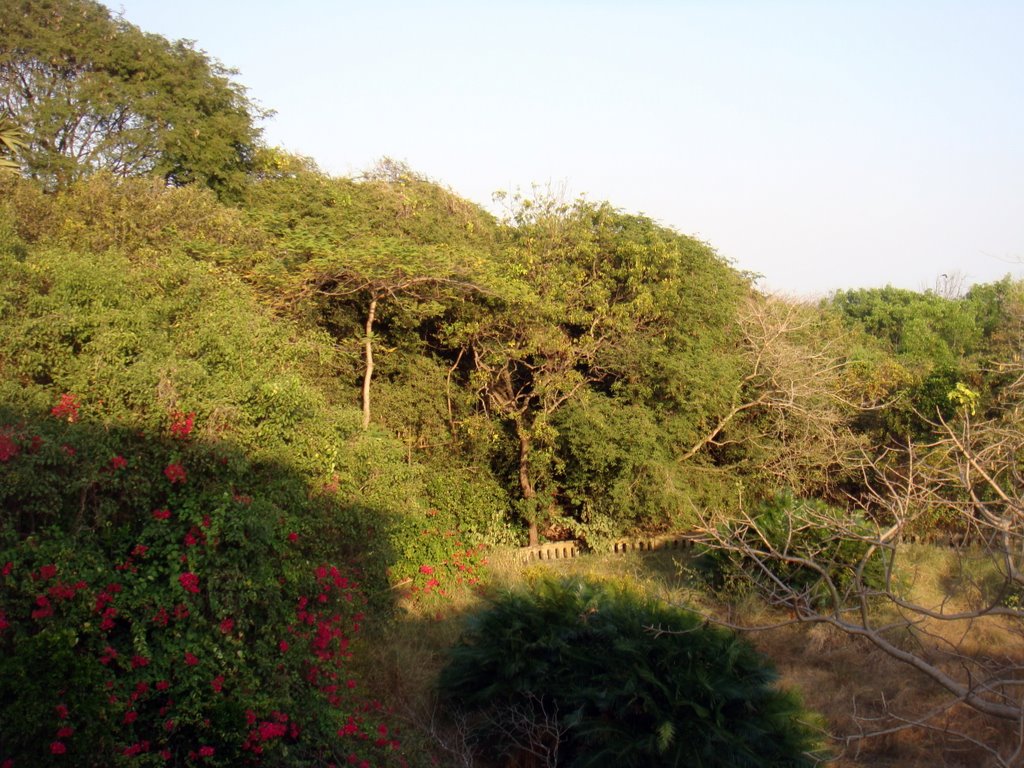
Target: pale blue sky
{"x": 822, "y": 144}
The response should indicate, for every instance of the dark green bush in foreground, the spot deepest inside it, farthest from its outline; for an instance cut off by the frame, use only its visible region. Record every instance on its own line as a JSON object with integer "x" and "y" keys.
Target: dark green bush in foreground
{"x": 583, "y": 674}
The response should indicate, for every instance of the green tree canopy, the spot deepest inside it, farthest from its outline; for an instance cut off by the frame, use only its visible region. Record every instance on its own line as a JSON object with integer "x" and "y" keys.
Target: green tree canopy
{"x": 92, "y": 91}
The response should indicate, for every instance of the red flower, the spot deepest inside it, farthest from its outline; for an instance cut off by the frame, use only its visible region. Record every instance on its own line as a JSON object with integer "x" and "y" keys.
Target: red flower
{"x": 66, "y": 732}
{"x": 191, "y": 659}
{"x": 293, "y": 536}
{"x": 118, "y": 462}
{"x": 130, "y": 716}
{"x": 426, "y": 569}
{"x": 175, "y": 473}
{"x": 206, "y": 751}
{"x": 6, "y": 570}
{"x": 162, "y": 685}
{"x": 181, "y": 424}
{"x": 227, "y": 625}
{"x": 8, "y": 448}
{"x": 47, "y": 572}
{"x": 139, "y": 550}
{"x": 217, "y": 683}
{"x": 62, "y": 711}
{"x": 58, "y": 748}
{"x": 139, "y": 661}
{"x": 189, "y": 582}
{"x": 44, "y": 609}
{"x": 66, "y": 408}
{"x": 161, "y": 514}
{"x": 283, "y": 645}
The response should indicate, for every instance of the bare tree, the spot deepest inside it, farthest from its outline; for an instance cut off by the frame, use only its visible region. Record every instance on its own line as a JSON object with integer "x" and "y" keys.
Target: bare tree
{"x": 791, "y": 408}
{"x": 856, "y": 570}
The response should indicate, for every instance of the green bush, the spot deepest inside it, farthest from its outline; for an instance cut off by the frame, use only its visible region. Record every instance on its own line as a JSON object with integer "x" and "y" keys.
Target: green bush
{"x": 583, "y": 674}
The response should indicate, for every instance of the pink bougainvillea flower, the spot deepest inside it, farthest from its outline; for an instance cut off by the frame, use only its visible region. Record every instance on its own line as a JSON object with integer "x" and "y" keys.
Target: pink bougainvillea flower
{"x": 8, "y": 447}
{"x": 67, "y": 408}
{"x": 189, "y": 582}
{"x": 47, "y": 572}
{"x": 175, "y": 473}
{"x": 182, "y": 424}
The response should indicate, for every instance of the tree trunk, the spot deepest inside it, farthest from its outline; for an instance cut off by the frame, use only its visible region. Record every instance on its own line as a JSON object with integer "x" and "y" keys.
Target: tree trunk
{"x": 525, "y": 486}
{"x": 368, "y": 351}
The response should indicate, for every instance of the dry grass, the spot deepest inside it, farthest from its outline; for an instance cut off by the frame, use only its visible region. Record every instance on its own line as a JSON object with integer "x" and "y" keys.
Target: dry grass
{"x": 855, "y": 686}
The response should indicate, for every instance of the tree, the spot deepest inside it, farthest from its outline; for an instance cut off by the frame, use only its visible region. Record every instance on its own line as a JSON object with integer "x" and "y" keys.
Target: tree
{"x": 349, "y": 250}
{"x": 391, "y": 270}
{"x": 965, "y": 486}
{"x": 94, "y": 92}
{"x": 786, "y": 419}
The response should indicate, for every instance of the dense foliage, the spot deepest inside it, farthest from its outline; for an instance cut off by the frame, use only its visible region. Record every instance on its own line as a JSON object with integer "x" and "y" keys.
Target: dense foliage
{"x": 583, "y": 674}
{"x": 91, "y": 91}
{"x": 243, "y": 401}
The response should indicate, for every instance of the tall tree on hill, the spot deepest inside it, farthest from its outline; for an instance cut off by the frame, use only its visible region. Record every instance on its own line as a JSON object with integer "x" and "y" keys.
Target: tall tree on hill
{"x": 353, "y": 249}
{"x": 94, "y": 92}
{"x": 605, "y": 311}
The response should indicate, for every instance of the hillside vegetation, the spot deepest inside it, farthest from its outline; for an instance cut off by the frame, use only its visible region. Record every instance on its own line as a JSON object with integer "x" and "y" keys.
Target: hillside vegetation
{"x": 252, "y": 415}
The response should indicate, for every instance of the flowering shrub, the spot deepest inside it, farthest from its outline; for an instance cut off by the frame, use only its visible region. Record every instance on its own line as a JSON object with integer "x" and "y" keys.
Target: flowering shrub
{"x": 438, "y": 560}
{"x": 188, "y": 630}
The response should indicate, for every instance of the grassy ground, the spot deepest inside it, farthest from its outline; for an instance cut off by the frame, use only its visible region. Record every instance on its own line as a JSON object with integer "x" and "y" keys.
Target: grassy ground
{"x": 857, "y": 687}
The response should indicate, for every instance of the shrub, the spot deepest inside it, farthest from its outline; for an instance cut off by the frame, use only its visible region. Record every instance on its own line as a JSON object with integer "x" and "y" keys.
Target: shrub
{"x": 582, "y": 674}
{"x": 162, "y": 605}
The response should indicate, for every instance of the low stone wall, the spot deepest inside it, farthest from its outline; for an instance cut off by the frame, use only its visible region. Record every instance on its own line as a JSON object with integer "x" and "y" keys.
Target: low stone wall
{"x": 564, "y": 550}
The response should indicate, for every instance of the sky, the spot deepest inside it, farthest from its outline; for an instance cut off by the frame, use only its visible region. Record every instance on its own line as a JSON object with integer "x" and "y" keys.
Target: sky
{"x": 822, "y": 145}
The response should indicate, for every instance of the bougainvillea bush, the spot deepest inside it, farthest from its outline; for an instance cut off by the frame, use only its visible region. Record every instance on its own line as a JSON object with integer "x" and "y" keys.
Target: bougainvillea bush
{"x": 155, "y": 609}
